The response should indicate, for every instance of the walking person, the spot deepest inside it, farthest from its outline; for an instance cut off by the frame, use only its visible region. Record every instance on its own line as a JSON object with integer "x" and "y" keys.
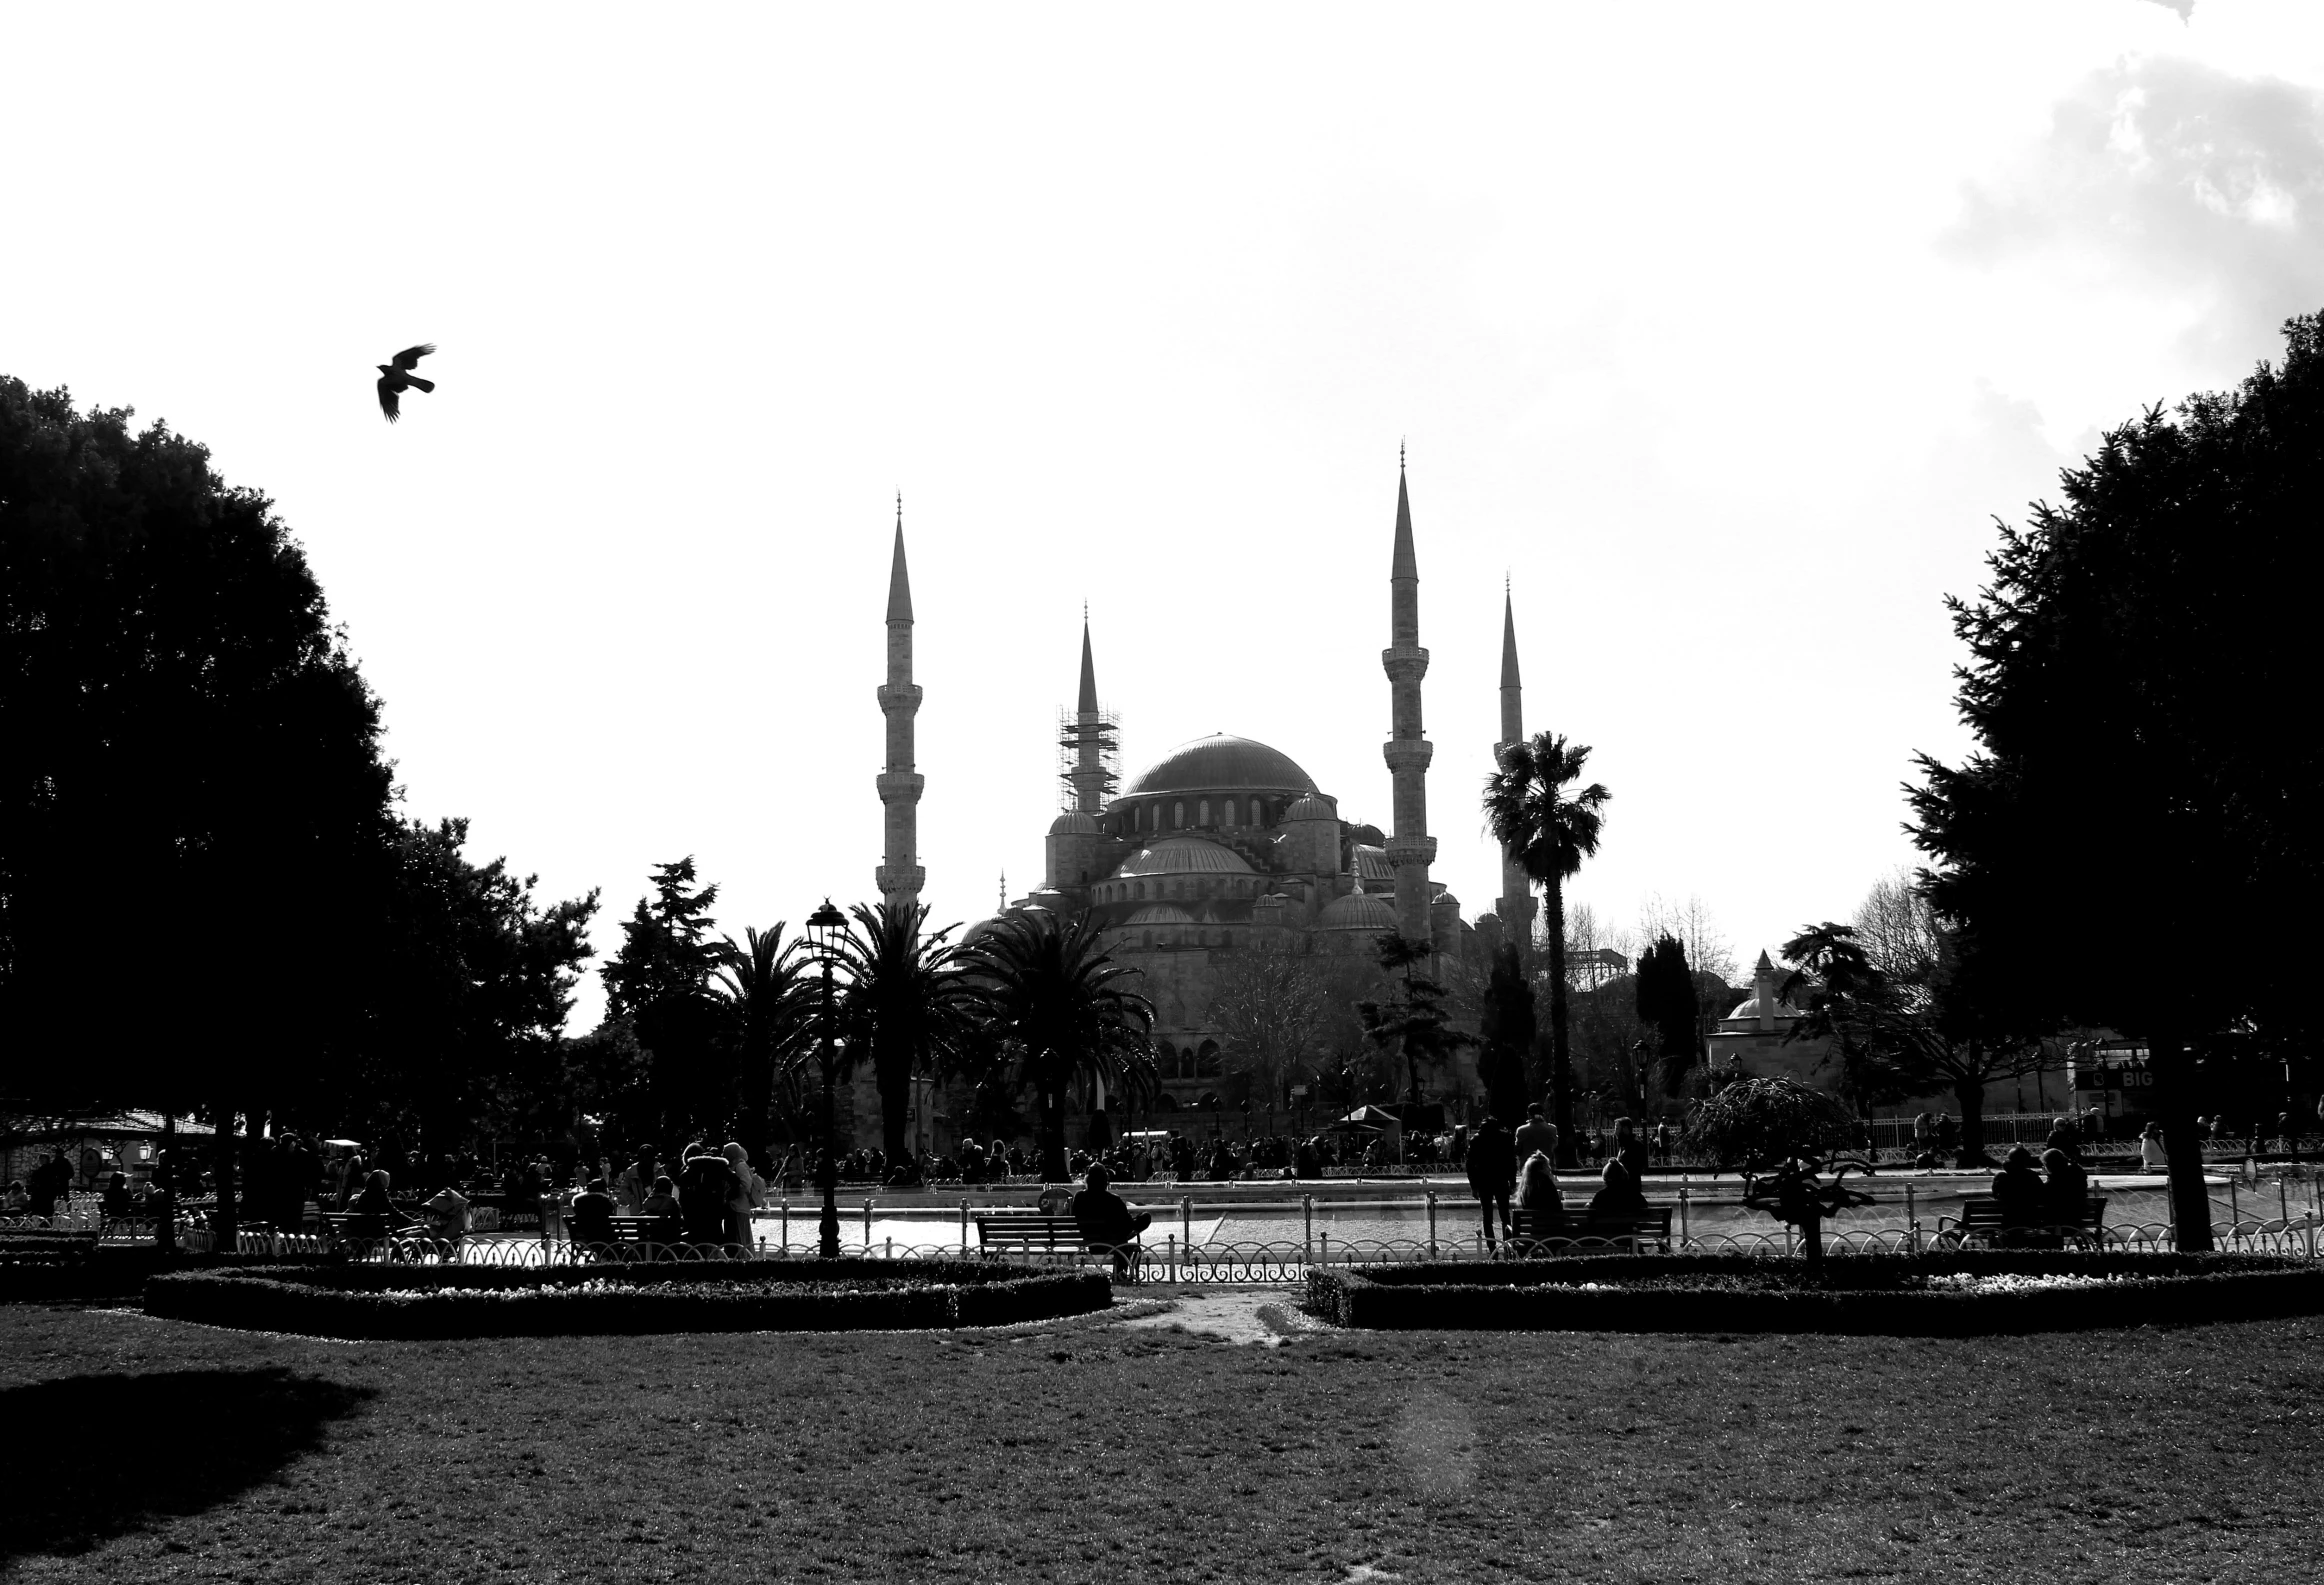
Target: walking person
{"x": 1492, "y": 1167}
{"x": 1536, "y": 1135}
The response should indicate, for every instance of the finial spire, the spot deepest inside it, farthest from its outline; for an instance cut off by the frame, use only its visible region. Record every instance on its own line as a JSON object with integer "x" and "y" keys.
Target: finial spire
{"x": 1004, "y": 891}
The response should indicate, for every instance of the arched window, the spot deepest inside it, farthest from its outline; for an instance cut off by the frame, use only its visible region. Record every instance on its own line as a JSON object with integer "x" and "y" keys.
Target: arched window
{"x": 1227, "y": 815}
{"x": 1178, "y": 815}
{"x": 1206, "y": 1064}
{"x": 1133, "y": 817}
{"x": 1202, "y": 813}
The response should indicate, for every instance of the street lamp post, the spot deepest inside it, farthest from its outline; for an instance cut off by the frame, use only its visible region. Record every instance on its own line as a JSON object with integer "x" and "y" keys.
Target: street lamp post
{"x": 823, "y": 928}
{"x": 1641, "y": 1054}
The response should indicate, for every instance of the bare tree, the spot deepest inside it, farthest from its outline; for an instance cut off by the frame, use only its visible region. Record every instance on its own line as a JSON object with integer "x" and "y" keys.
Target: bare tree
{"x": 1895, "y": 927}
{"x": 1708, "y": 950}
{"x": 1272, "y": 1009}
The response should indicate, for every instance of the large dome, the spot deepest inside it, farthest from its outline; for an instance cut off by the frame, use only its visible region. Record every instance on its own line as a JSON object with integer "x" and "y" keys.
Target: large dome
{"x": 1220, "y": 763}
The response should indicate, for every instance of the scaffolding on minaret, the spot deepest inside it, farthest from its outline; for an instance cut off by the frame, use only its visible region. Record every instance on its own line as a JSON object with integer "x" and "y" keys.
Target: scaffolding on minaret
{"x": 1099, "y": 770}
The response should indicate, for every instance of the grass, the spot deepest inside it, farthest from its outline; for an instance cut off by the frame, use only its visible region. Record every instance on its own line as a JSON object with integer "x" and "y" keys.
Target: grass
{"x": 139, "y": 1449}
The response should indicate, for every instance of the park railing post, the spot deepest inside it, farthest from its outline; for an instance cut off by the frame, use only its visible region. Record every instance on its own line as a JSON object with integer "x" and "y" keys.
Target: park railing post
{"x": 1432, "y": 1224}
{"x": 786, "y": 1224}
{"x": 1170, "y": 1243}
{"x": 1912, "y": 1222}
{"x": 1307, "y": 1233}
{"x": 1684, "y": 1226}
{"x": 867, "y": 1227}
{"x": 1327, "y": 1248}
{"x": 1186, "y": 1222}
{"x": 964, "y": 1227}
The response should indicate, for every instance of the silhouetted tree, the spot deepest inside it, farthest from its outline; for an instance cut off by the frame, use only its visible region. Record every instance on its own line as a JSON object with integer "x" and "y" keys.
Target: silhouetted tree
{"x": 2137, "y": 780}
{"x": 1414, "y": 1023}
{"x": 1064, "y": 1017}
{"x": 187, "y": 742}
{"x": 660, "y": 981}
{"x": 473, "y": 982}
{"x": 1551, "y": 830}
{"x": 912, "y": 1006}
{"x": 770, "y": 1014}
{"x": 1507, "y": 1029}
{"x": 1666, "y": 1003}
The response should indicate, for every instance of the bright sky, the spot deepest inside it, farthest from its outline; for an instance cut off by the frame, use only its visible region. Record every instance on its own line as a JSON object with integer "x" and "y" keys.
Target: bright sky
{"x": 1722, "y": 331}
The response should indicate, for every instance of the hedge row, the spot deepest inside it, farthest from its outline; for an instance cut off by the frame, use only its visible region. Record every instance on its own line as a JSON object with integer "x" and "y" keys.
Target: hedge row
{"x": 1514, "y": 1296}
{"x": 746, "y": 1296}
{"x": 114, "y": 1273}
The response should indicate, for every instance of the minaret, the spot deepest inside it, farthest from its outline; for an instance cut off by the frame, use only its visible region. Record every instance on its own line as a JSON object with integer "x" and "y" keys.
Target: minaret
{"x": 1411, "y": 848}
{"x": 900, "y": 878}
{"x": 1516, "y": 905}
{"x": 1089, "y": 776}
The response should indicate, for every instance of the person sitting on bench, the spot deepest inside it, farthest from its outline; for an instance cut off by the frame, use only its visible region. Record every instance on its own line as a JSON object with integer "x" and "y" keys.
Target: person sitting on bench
{"x": 1106, "y": 1222}
{"x": 373, "y": 1214}
{"x": 667, "y": 1224}
{"x": 2067, "y": 1189}
{"x": 1620, "y": 1197}
{"x": 2019, "y": 1191}
{"x": 591, "y": 1219}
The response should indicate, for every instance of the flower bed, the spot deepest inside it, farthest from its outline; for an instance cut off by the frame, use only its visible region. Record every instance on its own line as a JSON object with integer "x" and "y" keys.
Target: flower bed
{"x": 367, "y": 1301}
{"x": 1939, "y": 1294}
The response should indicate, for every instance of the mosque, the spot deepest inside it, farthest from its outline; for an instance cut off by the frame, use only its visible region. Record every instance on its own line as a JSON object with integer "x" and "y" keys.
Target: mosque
{"x": 1225, "y": 846}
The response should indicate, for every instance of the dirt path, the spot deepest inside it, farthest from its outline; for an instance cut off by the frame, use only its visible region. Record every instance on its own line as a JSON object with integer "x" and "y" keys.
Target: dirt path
{"x": 1264, "y": 1316}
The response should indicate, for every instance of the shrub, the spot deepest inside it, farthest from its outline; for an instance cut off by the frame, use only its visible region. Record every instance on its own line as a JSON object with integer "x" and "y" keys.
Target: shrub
{"x": 1891, "y": 1294}
{"x": 367, "y": 1301}
{"x": 97, "y": 1273}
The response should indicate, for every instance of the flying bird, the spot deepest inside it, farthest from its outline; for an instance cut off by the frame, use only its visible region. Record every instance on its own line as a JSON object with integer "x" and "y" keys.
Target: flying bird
{"x": 397, "y": 377}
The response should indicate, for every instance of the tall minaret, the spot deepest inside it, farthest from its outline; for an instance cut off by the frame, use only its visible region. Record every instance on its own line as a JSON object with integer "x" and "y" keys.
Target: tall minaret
{"x": 1090, "y": 777}
{"x": 900, "y": 878}
{"x": 1516, "y": 905}
{"x": 1411, "y": 848}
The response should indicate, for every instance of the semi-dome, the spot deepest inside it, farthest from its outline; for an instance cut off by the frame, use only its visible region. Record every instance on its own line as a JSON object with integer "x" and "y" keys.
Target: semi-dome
{"x": 1312, "y": 807}
{"x": 1184, "y": 855}
{"x": 1160, "y": 914}
{"x": 1221, "y": 763}
{"x": 1372, "y": 863}
{"x": 1074, "y": 823}
{"x": 1358, "y": 910}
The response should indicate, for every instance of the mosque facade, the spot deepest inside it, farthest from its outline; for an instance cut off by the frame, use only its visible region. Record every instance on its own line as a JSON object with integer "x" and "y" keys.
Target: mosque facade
{"x": 1225, "y": 846}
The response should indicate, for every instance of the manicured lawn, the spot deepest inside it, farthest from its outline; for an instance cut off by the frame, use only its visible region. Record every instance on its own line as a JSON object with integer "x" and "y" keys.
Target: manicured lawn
{"x": 146, "y": 1450}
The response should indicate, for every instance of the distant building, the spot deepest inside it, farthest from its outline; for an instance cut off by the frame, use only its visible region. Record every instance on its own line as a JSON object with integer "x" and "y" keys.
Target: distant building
{"x": 1757, "y": 1034}
{"x": 1226, "y": 845}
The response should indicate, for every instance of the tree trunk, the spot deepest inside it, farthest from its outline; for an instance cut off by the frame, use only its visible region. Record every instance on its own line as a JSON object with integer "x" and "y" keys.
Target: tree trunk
{"x": 1971, "y": 1099}
{"x": 2182, "y": 1142}
{"x": 895, "y": 1087}
{"x": 1561, "y": 1073}
{"x": 1053, "y": 1164}
{"x": 165, "y": 1221}
{"x": 223, "y": 1221}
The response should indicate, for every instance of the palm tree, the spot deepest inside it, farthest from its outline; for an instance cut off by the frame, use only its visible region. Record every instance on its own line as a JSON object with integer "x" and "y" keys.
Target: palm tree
{"x": 1060, "y": 1008}
{"x": 1551, "y": 830}
{"x": 911, "y": 1003}
{"x": 770, "y": 1004}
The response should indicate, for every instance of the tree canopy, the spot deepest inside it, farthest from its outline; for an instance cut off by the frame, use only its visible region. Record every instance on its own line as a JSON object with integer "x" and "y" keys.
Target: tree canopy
{"x": 2143, "y": 778}
{"x": 193, "y": 758}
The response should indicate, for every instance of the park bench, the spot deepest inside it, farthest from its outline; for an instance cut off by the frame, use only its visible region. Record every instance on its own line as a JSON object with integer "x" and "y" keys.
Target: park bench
{"x": 1035, "y": 1233}
{"x": 1980, "y": 1223}
{"x": 1632, "y": 1232}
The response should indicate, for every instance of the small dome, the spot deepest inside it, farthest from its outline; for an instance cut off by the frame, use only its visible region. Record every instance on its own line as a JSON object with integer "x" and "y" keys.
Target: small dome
{"x": 1444, "y": 900}
{"x": 1358, "y": 910}
{"x": 1312, "y": 807}
{"x": 1183, "y": 855}
{"x": 1160, "y": 914}
{"x": 1750, "y": 1009}
{"x": 1073, "y": 823}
